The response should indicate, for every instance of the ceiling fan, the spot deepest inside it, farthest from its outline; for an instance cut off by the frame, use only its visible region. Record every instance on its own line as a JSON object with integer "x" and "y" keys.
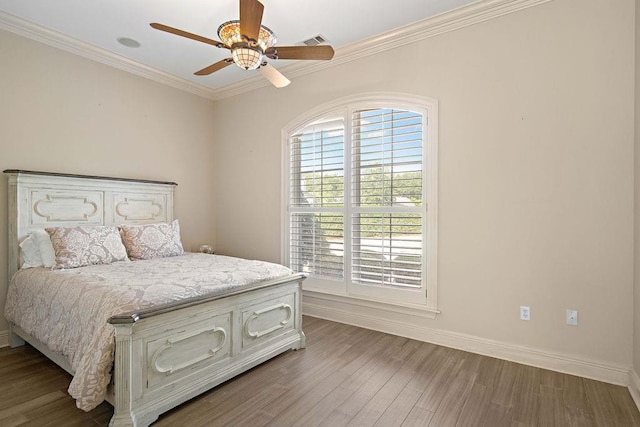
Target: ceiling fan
{"x": 251, "y": 43}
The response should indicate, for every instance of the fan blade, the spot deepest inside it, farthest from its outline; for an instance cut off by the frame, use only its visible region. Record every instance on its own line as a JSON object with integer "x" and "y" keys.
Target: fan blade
{"x": 274, "y": 76}
{"x": 300, "y": 52}
{"x": 250, "y": 18}
{"x": 214, "y": 67}
{"x": 191, "y": 36}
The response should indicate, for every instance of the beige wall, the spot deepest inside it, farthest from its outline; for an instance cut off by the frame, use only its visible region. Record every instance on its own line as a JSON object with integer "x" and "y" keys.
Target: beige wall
{"x": 536, "y": 170}
{"x": 63, "y": 113}
{"x": 636, "y": 299}
{"x": 536, "y": 161}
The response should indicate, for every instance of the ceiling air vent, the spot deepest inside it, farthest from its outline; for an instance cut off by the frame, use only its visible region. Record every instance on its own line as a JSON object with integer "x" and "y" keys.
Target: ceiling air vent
{"x": 315, "y": 41}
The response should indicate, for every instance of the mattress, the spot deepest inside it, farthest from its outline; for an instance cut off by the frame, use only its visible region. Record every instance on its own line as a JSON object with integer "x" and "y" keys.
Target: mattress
{"x": 68, "y": 310}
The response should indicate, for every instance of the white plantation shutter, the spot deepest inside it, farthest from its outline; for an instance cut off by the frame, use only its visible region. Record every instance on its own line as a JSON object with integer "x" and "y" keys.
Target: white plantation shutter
{"x": 357, "y": 196}
{"x": 386, "y": 200}
{"x": 316, "y": 219}
{"x": 389, "y": 253}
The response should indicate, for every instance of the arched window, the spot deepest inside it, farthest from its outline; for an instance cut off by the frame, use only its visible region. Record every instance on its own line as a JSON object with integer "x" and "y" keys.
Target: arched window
{"x": 360, "y": 189}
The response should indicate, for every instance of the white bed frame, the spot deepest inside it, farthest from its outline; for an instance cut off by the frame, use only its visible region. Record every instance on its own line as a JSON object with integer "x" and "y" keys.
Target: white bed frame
{"x": 169, "y": 354}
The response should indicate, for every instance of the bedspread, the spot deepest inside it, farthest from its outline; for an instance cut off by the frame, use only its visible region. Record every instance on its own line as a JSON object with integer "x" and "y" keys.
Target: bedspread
{"x": 68, "y": 310}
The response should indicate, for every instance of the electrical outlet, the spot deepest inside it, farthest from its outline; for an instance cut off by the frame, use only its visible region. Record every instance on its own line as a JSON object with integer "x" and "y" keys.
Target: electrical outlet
{"x": 525, "y": 312}
{"x": 572, "y": 317}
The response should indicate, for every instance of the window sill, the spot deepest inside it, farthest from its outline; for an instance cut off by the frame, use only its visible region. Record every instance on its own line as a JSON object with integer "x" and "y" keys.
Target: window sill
{"x": 404, "y": 308}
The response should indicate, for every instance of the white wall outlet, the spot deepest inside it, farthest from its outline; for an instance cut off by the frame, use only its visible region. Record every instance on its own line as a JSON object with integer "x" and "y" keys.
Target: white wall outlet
{"x": 525, "y": 312}
{"x": 572, "y": 317}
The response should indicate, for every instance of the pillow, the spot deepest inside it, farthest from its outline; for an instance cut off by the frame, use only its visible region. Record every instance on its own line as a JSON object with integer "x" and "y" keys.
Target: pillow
{"x": 37, "y": 250}
{"x": 47, "y": 253}
{"x": 152, "y": 240}
{"x": 80, "y": 246}
{"x": 30, "y": 252}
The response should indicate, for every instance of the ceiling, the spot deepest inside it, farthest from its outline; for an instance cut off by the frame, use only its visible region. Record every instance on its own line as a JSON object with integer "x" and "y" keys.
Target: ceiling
{"x": 97, "y": 25}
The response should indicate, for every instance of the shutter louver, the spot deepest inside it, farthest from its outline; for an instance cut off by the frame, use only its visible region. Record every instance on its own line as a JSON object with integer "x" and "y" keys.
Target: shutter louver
{"x": 316, "y": 220}
{"x": 386, "y": 200}
{"x": 319, "y": 242}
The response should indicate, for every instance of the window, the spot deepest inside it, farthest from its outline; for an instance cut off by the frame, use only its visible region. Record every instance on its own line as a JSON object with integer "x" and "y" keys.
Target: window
{"x": 360, "y": 188}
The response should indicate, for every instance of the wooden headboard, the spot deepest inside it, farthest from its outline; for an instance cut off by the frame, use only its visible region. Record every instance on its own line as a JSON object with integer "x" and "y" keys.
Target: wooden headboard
{"x": 42, "y": 199}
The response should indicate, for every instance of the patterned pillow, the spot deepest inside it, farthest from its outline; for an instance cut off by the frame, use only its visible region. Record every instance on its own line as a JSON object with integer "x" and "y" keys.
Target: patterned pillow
{"x": 152, "y": 240}
{"x": 80, "y": 246}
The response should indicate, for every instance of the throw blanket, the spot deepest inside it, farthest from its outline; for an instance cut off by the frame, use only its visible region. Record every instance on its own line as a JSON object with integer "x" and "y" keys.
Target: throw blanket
{"x": 68, "y": 310}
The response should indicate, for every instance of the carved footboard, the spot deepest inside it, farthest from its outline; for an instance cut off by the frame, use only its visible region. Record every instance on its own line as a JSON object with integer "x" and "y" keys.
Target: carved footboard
{"x": 165, "y": 358}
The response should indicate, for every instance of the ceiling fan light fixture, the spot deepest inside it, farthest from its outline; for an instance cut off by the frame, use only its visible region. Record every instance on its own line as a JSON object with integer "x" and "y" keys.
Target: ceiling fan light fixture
{"x": 229, "y": 34}
{"x": 251, "y": 44}
{"x": 248, "y": 58}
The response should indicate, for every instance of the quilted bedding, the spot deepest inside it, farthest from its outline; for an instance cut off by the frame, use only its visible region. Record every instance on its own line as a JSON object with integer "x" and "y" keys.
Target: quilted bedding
{"x": 68, "y": 310}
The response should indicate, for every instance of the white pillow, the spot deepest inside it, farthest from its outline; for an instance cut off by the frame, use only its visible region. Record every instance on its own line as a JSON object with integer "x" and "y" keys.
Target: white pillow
{"x": 47, "y": 253}
{"x": 37, "y": 250}
{"x": 30, "y": 252}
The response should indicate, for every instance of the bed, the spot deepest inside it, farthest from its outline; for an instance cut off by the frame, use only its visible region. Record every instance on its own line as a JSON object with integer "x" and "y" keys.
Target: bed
{"x": 166, "y": 350}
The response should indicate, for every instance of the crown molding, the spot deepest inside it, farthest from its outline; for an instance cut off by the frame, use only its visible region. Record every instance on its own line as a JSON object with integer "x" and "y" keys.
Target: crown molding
{"x": 474, "y": 13}
{"x": 58, "y": 40}
{"x": 479, "y": 11}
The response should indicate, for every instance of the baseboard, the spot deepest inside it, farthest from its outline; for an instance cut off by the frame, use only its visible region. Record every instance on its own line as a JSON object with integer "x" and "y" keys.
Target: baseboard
{"x": 634, "y": 387}
{"x": 404, "y": 326}
{"x": 554, "y": 361}
{"x": 4, "y": 339}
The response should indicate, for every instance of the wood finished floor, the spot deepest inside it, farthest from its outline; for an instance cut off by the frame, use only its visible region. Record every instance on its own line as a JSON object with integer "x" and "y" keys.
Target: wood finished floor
{"x": 345, "y": 376}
